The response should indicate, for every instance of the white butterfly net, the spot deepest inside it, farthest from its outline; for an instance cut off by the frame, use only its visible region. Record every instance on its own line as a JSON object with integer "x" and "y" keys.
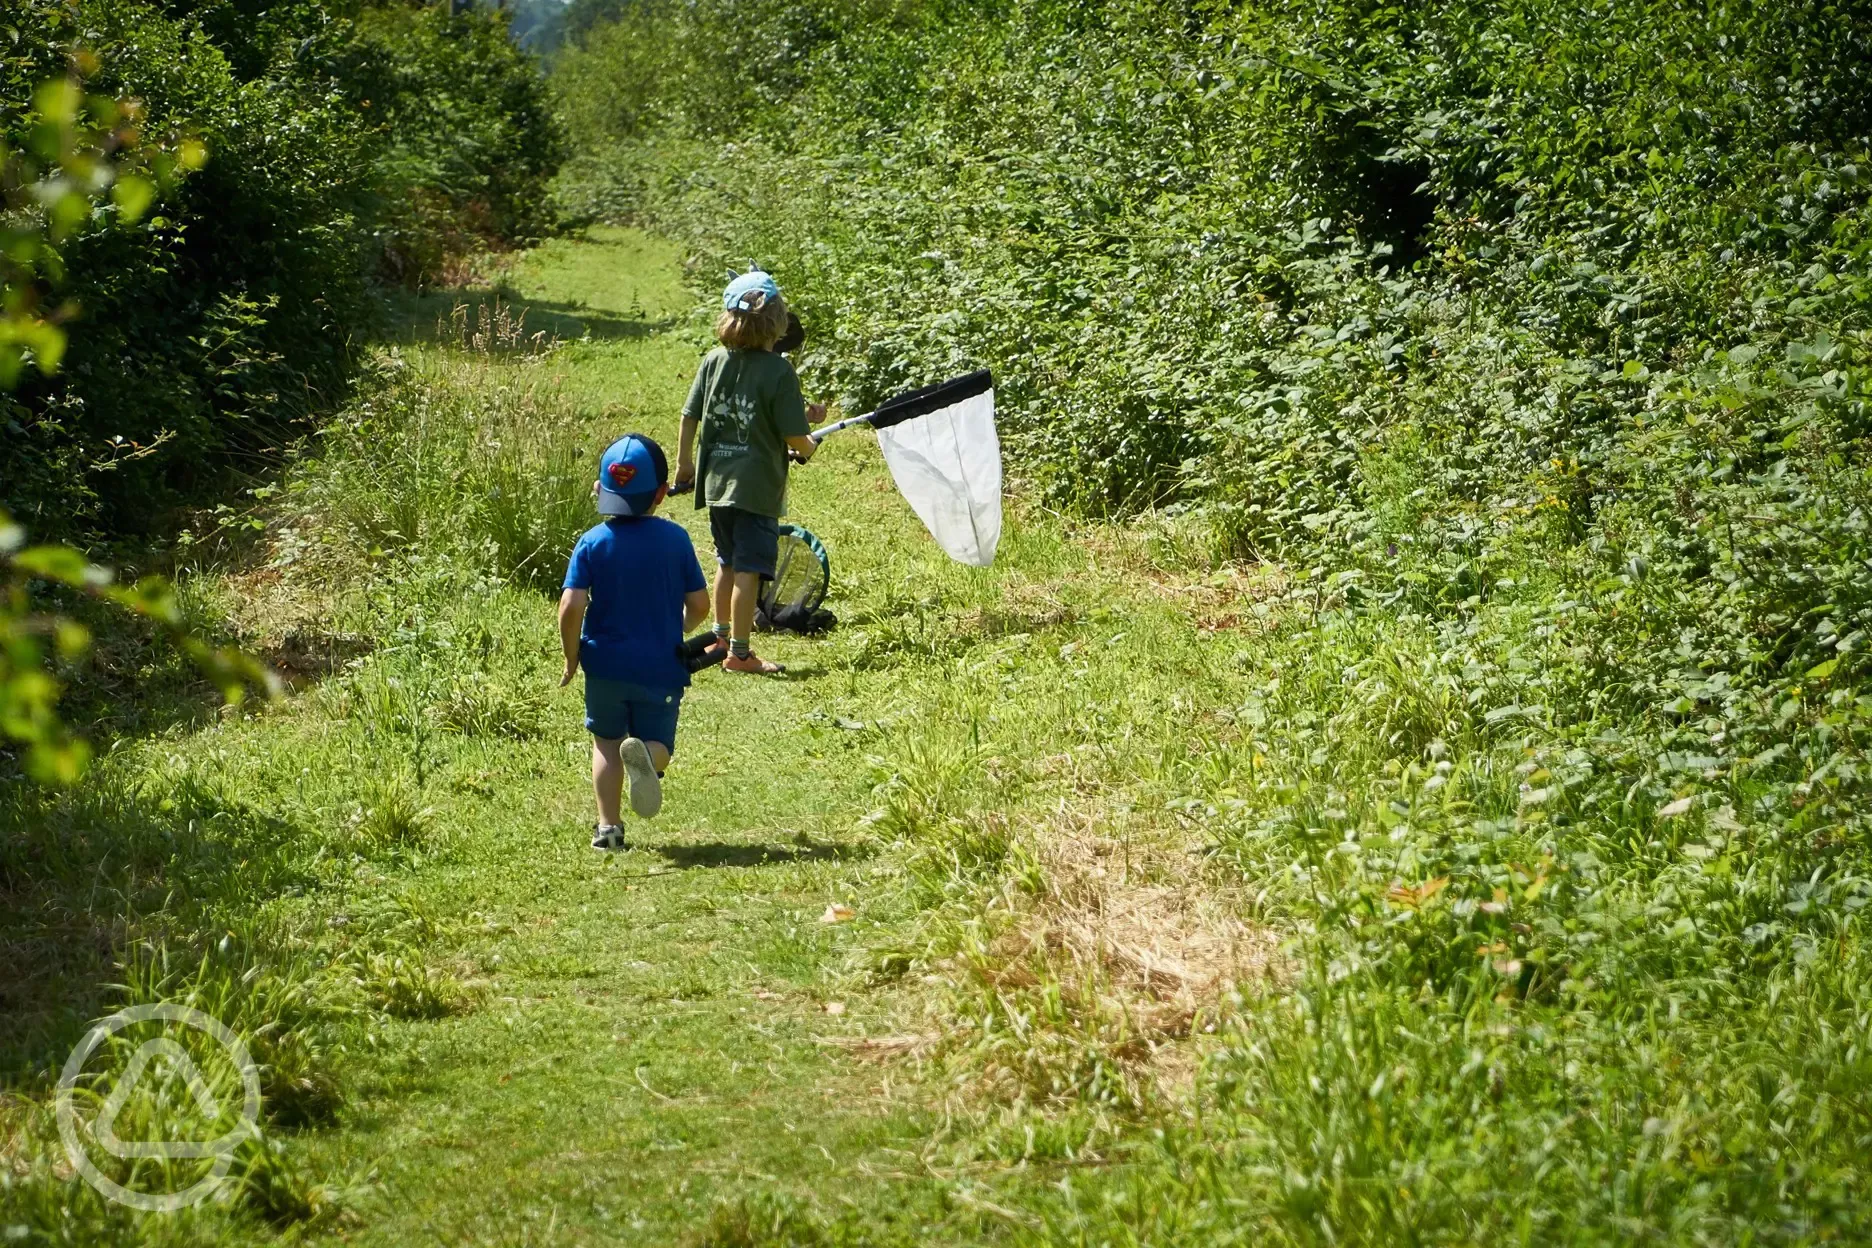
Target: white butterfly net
{"x": 948, "y": 466}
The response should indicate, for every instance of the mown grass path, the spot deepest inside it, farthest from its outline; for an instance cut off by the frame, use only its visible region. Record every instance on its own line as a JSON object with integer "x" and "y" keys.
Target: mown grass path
{"x": 650, "y": 1042}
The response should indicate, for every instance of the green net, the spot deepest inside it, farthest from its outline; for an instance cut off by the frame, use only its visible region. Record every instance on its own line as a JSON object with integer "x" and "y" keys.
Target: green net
{"x": 801, "y": 573}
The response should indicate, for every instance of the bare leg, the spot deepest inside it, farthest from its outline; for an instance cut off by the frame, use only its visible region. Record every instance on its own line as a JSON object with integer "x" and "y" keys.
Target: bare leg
{"x": 608, "y": 778}
{"x": 724, "y": 590}
{"x": 659, "y": 755}
{"x": 746, "y": 597}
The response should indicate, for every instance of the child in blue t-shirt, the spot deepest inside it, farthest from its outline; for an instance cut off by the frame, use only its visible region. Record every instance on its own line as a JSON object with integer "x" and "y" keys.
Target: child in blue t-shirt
{"x": 632, "y": 589}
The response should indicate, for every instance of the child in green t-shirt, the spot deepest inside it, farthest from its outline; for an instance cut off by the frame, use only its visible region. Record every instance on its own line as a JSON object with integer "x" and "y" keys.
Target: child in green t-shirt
{"x": 746, "y": 404}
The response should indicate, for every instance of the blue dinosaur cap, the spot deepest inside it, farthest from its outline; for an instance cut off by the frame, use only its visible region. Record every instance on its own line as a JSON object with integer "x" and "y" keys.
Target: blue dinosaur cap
{"x": 744, "y": 286}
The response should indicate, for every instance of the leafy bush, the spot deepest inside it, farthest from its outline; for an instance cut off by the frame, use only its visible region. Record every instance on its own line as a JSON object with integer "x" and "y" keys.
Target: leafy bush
{"x": 467, "y": 142}
{"x": 1211, "y": 259}
{"x": 230, "y": 311}
{"x": 207, "y": 324}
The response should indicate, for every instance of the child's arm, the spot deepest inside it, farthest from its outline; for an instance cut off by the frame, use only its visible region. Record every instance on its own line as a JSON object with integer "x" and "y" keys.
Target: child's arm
{"x": 695, "y": 608}
{"x": 685, "y": 453}
{"x": 801, "y": 448}
{"x": 691, "y": 423}
{"x": 571, "y": 620}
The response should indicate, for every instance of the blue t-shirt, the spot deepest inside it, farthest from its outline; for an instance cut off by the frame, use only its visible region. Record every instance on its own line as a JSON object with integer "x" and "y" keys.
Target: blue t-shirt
{"x": 638, "y": 570}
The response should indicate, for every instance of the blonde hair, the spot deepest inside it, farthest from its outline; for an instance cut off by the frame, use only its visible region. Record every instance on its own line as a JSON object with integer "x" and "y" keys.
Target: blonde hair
{"x": 752, "y": 329}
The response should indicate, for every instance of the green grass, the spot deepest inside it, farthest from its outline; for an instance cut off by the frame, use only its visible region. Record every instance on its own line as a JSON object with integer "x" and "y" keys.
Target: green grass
{"x": 508, "y": 1037}
{"x": 1193, "y": 904}
{"x": 615, "y": 300}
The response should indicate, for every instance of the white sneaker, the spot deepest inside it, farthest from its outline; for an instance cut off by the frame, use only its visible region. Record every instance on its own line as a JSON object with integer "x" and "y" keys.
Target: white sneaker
{"x": 646, "y": 789}
{"x": 609, "y": 837}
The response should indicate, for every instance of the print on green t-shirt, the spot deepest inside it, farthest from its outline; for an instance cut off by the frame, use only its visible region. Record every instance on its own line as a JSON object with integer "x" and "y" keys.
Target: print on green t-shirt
{"x": 749, "y": 404}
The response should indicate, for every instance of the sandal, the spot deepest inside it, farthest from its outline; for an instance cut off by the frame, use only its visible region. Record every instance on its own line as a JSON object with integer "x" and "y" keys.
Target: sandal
{"x": 753, "y": 664}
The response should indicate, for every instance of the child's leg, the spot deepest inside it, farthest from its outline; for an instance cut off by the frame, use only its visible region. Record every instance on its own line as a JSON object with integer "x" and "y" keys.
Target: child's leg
{"x": 741, "y": 656}
{"x": 608, "y": 720}
{"x": 746, "y": 597}
{"x": 608, "y": 779}
{"x": 746, "y": 546}
{"x": 724, "y": 605}
{"x": 722, "y": 529}
{"x": 646, "y": 752}
{"x": 653, "y": 722}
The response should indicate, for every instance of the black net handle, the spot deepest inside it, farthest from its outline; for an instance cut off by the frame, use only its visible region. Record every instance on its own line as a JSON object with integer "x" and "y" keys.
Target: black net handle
{"x": 914, "y": 403}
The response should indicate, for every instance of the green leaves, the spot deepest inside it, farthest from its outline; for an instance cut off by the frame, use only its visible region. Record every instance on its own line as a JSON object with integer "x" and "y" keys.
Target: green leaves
{"x": 1558, "y": 449}
{"x": 77, "y": 153}
{"x": 166, "y": 316}
{"x": 133, "y": 196}
{"x": 25, "y": 338}
{"x": 61, "y": 564}
{"x": 29, "y": 693}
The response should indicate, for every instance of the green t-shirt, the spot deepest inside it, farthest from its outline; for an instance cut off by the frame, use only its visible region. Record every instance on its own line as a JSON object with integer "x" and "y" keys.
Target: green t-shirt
{"x": 749, "y": 404}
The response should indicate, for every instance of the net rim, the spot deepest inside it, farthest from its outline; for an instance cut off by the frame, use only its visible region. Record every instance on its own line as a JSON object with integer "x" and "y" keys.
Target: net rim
{"x": 769, "y": 593}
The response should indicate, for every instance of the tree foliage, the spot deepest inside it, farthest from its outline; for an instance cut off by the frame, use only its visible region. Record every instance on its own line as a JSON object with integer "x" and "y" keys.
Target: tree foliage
{"x": 344, "y": 141}
{"x": 84, "y": 164}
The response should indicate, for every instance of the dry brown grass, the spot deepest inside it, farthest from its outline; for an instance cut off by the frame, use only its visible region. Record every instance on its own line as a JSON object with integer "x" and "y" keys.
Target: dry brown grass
{"x": 276, "y": 619}
{"x": 1132, "y": 927}
{"x": 1094, "y": 978}
{"x": 1216, "y": 596}
{"x": 1177, "y": 945}
{"x": 1025, "y": 607}
{"x": 1090, "y": 943}
{"x": 883, "y": 1048}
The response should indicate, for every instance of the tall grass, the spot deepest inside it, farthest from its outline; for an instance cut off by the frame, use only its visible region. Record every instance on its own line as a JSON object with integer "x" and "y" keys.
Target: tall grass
{"x": 476, "y": 462}
{"x": 1560, "y": 979}
{"x": 445, "y": 499}
{"x": 166, "y": 881}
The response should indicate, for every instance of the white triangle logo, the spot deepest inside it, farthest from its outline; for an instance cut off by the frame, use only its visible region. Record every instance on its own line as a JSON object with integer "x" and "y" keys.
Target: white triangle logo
{"x": 104, "y": 1130}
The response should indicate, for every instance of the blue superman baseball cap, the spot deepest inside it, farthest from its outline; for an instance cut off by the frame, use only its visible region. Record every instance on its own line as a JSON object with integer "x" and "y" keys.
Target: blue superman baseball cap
{"x": 630, "y": 473}
{"x": 753, "y": 282}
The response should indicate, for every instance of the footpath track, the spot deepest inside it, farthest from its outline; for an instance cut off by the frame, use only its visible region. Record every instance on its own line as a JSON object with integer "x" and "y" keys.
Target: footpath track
{"x": 654, "y": 1038}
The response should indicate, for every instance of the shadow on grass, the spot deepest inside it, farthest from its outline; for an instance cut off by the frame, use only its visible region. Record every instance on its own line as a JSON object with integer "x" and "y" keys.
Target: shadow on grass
{"x": 304, "y": 657}
{"x": 432, "y": 317}
{"x": 799, "y": 672}
{"x": 722, "y": 854}
{"x": 86, "y": 871}
{"x": 137, "y": 683}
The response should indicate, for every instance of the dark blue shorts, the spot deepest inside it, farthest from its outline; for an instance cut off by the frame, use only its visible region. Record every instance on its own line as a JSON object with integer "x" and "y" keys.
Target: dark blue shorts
{"x": 615, "y": 709}
{"x": 744, "y": 540}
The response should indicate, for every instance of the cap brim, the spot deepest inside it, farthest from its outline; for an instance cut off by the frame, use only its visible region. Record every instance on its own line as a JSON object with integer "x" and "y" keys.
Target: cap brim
{"x": 610, "y": 504}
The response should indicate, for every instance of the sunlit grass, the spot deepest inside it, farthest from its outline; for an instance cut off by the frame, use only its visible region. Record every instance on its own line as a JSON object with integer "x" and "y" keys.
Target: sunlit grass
{"x": 1191, "y": 903}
